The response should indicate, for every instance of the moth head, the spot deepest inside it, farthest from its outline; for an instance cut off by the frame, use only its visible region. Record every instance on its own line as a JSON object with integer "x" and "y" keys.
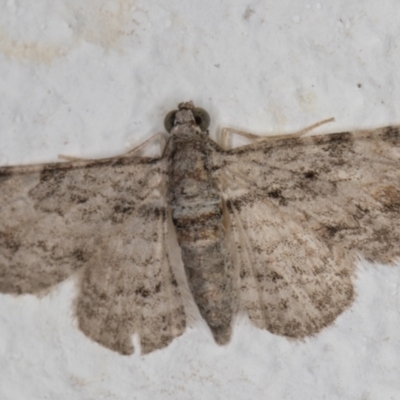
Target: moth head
{"x": 187, "y": 115}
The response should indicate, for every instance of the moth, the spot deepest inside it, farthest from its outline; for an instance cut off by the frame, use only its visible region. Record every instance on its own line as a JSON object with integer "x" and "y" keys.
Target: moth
{"x": 272, "y": 229}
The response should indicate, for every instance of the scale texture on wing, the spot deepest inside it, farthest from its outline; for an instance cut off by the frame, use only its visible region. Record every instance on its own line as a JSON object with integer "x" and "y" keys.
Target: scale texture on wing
{"x": 290, "y": 282}
{"x": 130, "y": 286}
{"x": 300, "y": 211}
{"x": 60, "y": 218}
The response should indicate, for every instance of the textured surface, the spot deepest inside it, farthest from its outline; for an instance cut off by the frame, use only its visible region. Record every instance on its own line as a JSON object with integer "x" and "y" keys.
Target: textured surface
{"x": 271, "y": 228}
{"x": 198, "y": 215}
{"x": 107, "y": 218}
{"x": 262, "y": 66}
{"x": 302, "y": 210}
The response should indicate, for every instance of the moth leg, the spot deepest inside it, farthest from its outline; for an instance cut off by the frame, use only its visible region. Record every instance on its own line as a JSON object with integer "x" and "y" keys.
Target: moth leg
{"x": 160, "y": 137}
{"x": 307, "y": 129}
{"x": 226, "y": 134}
{"x": 72, "y": 158}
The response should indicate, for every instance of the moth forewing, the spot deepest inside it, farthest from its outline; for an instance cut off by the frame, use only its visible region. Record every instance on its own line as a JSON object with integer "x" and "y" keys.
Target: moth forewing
{"x": 272, "y": 228}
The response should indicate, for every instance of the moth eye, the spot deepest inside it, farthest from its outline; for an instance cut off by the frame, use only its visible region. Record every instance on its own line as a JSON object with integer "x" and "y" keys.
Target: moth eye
{"x": 202, "y": 118}
{"x": 169, "y": 120}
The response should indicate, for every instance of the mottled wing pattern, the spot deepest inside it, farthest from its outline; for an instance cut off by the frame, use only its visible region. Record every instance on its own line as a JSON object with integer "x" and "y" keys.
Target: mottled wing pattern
{"x": 300, "y": 210}
{"x": 60, "y": 218}
{"x": 289, "y": 280}
{"x": 130, "y": 286}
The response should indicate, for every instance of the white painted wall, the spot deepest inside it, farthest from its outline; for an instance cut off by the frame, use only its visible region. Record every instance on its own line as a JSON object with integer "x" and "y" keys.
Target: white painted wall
{"x": 94, "y": 78}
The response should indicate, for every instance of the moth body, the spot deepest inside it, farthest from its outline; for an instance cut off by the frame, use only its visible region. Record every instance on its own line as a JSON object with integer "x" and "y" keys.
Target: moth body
{"x": 197, "y": 214}
{"x": 272, "y": 229}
